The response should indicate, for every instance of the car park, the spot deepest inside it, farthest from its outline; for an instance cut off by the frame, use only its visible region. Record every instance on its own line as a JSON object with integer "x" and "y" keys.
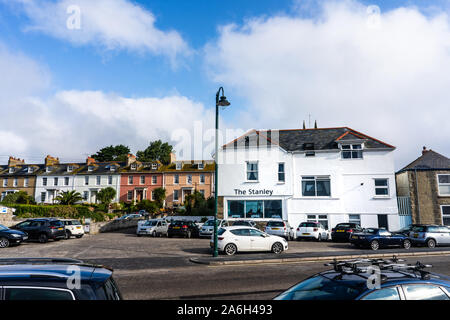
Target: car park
{"x": 42, "y": 229}
{"x": 280, "y": 228}
{"x": 312, "y": 230}
{"x": 351, "y": 279}
{"x": 186, "y": 229}
{"x": 48, "y": 279}
{"x": 245, "y": 223}
{"x": 342, "y": 231}
{"x": 235, "y": 239}
{"x": 73, "y": 228}
{"x": 375, "y": 239}
{"x": 430, "y": 235}
{"x": 207, "y": 228}
{"x": 11, "y": 237}
{"x": 153, "y": 227}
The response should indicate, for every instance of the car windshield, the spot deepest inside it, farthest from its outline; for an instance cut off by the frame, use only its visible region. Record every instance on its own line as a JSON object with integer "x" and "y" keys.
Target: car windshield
{"x": 343, "y": 225}
{"x": 3, "y": 227}
{"x": 275, "y": 224}
{"x": 209, "y": 223}
{"x": 370, "y": 230}
{"x": 323, "y": 288}
{"x": 308, "y": 225}
{"x": 56, "y": 223}
{"x": 151, "y": 223}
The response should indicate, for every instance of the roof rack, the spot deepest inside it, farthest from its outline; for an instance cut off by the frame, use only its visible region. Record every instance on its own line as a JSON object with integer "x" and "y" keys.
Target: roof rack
{"x": 359, "y": 266}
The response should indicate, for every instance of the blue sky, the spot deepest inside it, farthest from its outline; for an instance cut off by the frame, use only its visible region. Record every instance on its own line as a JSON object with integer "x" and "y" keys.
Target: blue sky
{"x": 139, "y": 73}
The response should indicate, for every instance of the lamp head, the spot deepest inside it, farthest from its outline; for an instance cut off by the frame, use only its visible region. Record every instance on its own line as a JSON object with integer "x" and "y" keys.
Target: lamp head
{"x": 223, "y": 102}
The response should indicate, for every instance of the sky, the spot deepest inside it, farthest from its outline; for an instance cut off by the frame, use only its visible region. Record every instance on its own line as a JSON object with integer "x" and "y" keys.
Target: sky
{"x": 79, "y": 75}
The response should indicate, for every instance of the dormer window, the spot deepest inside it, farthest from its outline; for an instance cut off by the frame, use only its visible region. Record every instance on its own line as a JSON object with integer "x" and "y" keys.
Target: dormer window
{"x": 154, "y": 166}
{"x": 90, "y": 168}
{"x": 30, "y": 170}
{"x": 48, "y": 169}
{"x": 69, "y": 168}
{"x": 201, "y": 166}
{"x": 351, "y": 151}
{"x": 112, "y": 168}
{"x": 133, "y": 166}
{"x": 11, "y": 170}
{"x": 178, "y": 166}
{"x": 309, "y": 149}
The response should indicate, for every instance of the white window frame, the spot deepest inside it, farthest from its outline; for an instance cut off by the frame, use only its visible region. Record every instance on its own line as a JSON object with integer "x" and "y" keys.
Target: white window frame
{"x": 201, "y": 166}
{"x": 446, "y": 215}
{"x": 133, "y": 166}
{"x": 5, "y": 182}
{"x": 178, "y": 196}
{"x": 130, "y": 180}
{"x": 152, "y": 195}
{"x": 129, "y": 195}
{"x": 179, "y": 166}
{"x": 358, "y": 221}
{"x": 43, "y": 196}
{"x": 44, "y": 182}
{"x": 55, "y": 181}
{"x": 316, "y": 178}
{"x": 388, "y": 195}
{"x": 86, "y": 180}
{"x": 85, "y": 195}
{"x": 154, "y": 179}
{"x": 442, "y": 184}
{"x": 98, "y": 180}
{"x": 189, "y": 179}
{"x": 177, "y": 180}
{"x": 69, "y": 168}
{"x": 140, "y": 180}
{"x": 110, "y": 180}
{"x": 247, "y": 172}
{"x": 351, "y": 150}
{"x": 154, "y": 166}
{"x": 202, "y": 192}
{"x": 66, "y": 181}
{"x": 202, "y": 179}
{"x": 26, "y": 182}
{"x": 281, "y": 172}
{"x": 15, "y": 182}
{"x": 11, "y": 170}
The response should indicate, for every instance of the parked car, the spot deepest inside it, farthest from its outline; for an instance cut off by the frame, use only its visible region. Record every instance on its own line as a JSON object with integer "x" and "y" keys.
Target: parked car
{"x": 130, "y": 216}
{"x": 207, "y": 229}
{"x": 342, "y": 231}
{"x": 349, "y": 281}
{"x": 430, "y": 235}
{"x": 42, "y": 229}
{"x": 10, "y": 237}
{"x": 186, "y": 229}
{"x": 153, "y": 227}
{"x": 312, "y": 230}
{"x": 241, "y": 238}
{"x": 280, "y": 228}
{"x": 245, "y": 223}
{"x": 73, "y": 227}
{"x": 375, "y": 239}
{"x": 406, "y": 230}
{"x": 47, "y": 279}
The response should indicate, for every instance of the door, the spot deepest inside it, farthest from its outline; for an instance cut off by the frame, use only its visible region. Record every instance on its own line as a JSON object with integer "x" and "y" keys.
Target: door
{"x": 383, "y": 221}
{"x": 258, "y": 241}
{"x": 241, "y": 238}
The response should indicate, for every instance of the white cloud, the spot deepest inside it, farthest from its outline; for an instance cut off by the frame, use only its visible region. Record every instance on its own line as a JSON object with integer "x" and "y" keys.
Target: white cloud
{"x": 388, "y": 79}
{"x": 111, "y": 25}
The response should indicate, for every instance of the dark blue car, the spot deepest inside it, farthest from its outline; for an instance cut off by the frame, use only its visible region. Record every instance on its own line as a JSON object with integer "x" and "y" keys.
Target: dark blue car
{"x": 379, "y": 238}
{"x": 352, "y": 281}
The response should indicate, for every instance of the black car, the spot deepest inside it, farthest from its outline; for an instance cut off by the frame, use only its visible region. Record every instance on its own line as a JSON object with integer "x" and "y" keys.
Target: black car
{"x": 375, "y": 238}
{"x": 42, "y": 229}
{"x": 9, "y": 237}
{"x": 55, "y": 279}
{"x": 186, "y": 229}
{"x": 342, "y": 231}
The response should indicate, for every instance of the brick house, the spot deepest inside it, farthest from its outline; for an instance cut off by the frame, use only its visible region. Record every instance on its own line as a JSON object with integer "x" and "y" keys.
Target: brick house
{"x": 426, "y": 183}
{"x": 17, "y": 176}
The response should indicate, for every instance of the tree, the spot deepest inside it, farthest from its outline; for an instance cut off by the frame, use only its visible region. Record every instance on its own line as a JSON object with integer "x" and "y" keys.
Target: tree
{"x": 20, "y": 197}
{"x": 147, "y": 205}
{"x": 112, "y": 153}
{"x": 69, "y": 197}
{"x": 106, "y": 195}
{"x": 156, "y": 151}
{"x": 197, "y": 205}
{"x": 159, "y": 194}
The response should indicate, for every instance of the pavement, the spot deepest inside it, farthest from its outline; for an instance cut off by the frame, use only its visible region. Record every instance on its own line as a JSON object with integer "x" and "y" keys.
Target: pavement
{"x": 285, "y": 257}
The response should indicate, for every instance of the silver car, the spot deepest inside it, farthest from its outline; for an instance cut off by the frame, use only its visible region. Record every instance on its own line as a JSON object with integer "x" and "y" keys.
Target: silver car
{"x": 430, "y": 235}
{"x": 207, "y": 228}
{"x": 153, "y": 227}
{"x": 280, "y": 228}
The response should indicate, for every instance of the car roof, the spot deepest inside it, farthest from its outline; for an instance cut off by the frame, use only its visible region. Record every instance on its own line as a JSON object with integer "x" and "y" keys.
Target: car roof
{"x": 238, "y": 227}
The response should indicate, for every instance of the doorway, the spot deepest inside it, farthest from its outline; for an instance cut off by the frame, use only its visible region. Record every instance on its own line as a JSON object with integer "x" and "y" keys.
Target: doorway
{"x": 383, "y": 221}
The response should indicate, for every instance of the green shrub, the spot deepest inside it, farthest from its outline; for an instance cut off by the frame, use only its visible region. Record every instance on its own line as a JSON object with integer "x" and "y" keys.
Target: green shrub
{"x": 69, "y": 212}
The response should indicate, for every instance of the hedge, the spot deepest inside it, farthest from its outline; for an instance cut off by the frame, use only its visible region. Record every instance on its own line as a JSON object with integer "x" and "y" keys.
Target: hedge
{"x": 60, "y": 211}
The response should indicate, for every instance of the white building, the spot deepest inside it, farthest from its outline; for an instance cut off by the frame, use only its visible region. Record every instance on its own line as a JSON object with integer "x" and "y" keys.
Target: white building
{"x": 331, "y": 175}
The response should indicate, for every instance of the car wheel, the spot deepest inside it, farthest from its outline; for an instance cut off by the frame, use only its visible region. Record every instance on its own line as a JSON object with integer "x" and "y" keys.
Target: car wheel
{"x": 230, "y": 249}
{"x": 78, "y": 237}
{"x": 406, "y": 244}
{"x": 154, "y": 234}
{"x": 277, "y": 248}
{"x": 431, "y": 243}
{"x": 43, "y": 238}
{"x": 4, "y": 242}
{"x": 67, "y": 235}
{"x": 374, "y": 245}
{"x": 319, "y": 237}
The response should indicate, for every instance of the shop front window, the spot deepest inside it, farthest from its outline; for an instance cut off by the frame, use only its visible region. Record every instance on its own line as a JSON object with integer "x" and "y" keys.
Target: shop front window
{"x": 272, "y": 209}
{"x": 236, "y": 209}
{"x": 254, "y": 209}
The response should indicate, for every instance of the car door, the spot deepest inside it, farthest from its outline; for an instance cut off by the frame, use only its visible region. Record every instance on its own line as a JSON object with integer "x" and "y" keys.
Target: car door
{"x": 241, "y": 238}
{"x": 258, "y": 241}
{"x": 444, "y": 235}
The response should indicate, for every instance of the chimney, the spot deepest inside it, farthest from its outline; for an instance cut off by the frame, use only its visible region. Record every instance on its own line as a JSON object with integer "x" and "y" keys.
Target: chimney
{"x": 13, "y": 161}
{"x": 304, "y": 125}
{"x": 90, "y": 161}
{"x": 173, "y": 157}
{"x": 315, "y": 124}
{"x": 50, "y": 161}
{"x": 130, "y": 159}
{"x": 424, "y": 150}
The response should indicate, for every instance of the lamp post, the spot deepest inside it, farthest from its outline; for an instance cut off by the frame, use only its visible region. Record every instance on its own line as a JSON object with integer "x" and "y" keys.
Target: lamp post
{"x": 220, "y": 102}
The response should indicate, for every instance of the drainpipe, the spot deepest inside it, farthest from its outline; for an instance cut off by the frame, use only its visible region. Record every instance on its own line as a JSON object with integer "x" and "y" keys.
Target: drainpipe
{"x": 417, "y": 197}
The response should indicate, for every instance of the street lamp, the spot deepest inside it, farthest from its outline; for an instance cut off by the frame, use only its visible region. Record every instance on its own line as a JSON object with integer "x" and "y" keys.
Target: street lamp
{"x": 220, "y": 102}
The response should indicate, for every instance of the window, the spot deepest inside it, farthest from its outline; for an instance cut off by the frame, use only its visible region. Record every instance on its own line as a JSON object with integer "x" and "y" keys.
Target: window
{"x": 110, "y": 180}
{"x": 26, "y": 182}
{"x": 445, "y": 215}
{"x": 252, "y": 171}
{"x": 189, "y": 179}
{"x": 255, "y": 209}
{"x": 66, "y": 181}
{"x": 133, "y": 166}
{"x": 176, "y": 179}
{"x": 201, "y": 166}
{"x": 354, "y": 218}
{"x": 98, "y": 180}
{"x": 321, "y": 218}
{"x": 55, "y": 181}
{"x": 44, "y": 182}
{"x": 112, "y": 168}
{"x": 281, "y": 176}
{"x": 152, "y": 195}
{"x": 444, "y": 184}
{"x": 48, "y": 169}
{"x": 382, "y": 187}
{"x": 236, "y": 209}
{"x": 142, "y": 180}
{"x": 316, "y": 187}
{"x": 383, "y": 294}
{"x": 30, "y": 170}
{"x": 85, "y": 195}
{"x": 15, "y": 182}
{"x": 175, "y": 195}
{"x": 178, "y": 166}
{"x": 272, "y": 209}
{"x": 130, "y": 195}
{"x": 351, "y": 151}
{"x": 130, "y": 179}
{"x": 90, "y": 168}
{"x": 5, "y": 182}
{"x": 154, "y": 166}
{"x": 86, "y": 180}
{"x": 25, "y": 293}
{"x": 424, "y": 292}
{"x": 11, "y": 170}
{"x": 202, "y": 179}
{"x": 154, "y": 179}
{"x": 69, "y": 168}
{"x": 43, "y": 196}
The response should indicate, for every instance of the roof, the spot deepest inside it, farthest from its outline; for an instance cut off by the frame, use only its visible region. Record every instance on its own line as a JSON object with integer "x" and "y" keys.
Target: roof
{"x": 297, "y": 140}
{"x": 430, "y": 160}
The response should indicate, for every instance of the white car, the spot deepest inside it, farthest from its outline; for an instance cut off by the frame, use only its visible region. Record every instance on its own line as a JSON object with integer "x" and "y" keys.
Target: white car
{"x": 312, "y": 230}
{"x": 153, "y": 227}
{"x": 208, "y": 227}
{"x": 240, "y": 239}
{"x": 280, "y": 228}
{"x": 73, "y": 227}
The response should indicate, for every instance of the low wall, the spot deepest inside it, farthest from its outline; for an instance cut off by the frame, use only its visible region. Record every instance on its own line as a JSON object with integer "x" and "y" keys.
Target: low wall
{"x": 100, "y": 227}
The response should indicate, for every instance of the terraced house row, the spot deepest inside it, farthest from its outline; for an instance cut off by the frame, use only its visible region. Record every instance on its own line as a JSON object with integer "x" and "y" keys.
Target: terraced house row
{"x": 133, "y": 180}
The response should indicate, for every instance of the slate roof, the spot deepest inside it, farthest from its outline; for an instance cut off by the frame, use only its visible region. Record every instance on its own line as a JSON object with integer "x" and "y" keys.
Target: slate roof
{"x": 430, "y": 160}
{"x": 307, "y": 139}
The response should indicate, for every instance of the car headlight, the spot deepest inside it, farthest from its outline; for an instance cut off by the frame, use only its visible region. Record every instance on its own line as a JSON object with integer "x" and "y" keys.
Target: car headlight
{"x": 15, "y": 235}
